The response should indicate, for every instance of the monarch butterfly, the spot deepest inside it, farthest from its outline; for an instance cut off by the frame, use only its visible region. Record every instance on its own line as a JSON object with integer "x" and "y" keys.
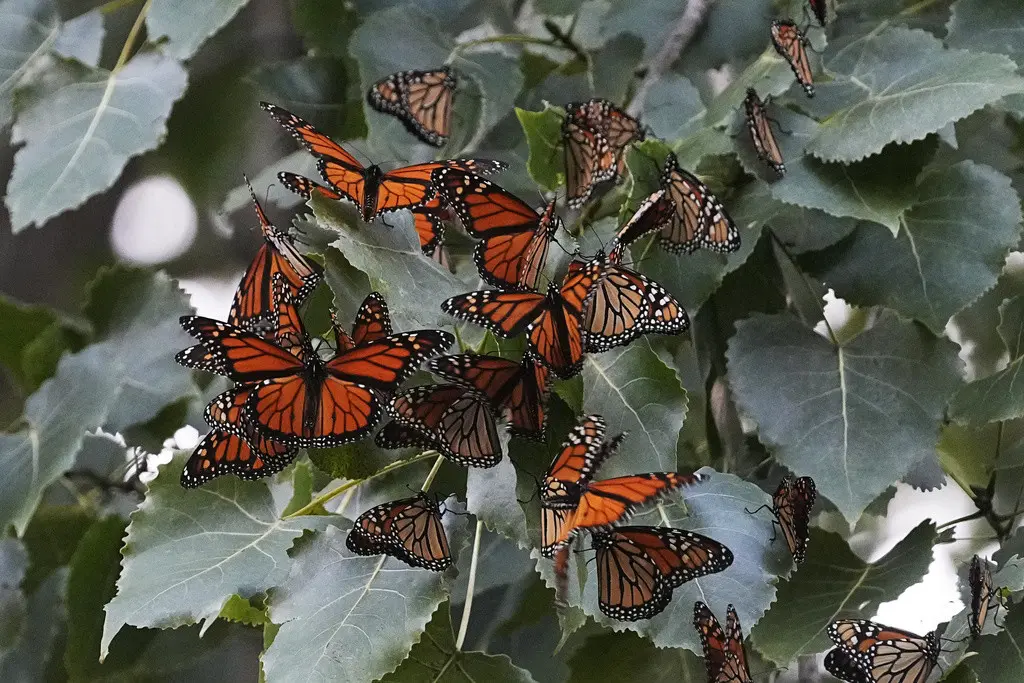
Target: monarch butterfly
{"x": 427, "y": 219}
{"x": 515, "y": 239}
{"x": 652, "y": 213}
{"x": 625, "y": 305}
{"x": 791, "y": 505}
{"x": 456, "y": 421}
{"x": 570, "y": 501}
{"x": 253, "y": 302}
{"x": 872, "y": 653}
{"x": 724, "y": 654}
{"x": 551, "y": 321}
{"x": 791, "y": 43}
{"x": 983, "y": 594}
{"x": 638, "y": 567}
{"x": 761, "y": 135}
{"x": 374, "y": 191}
{"x": 222, "y": 452}
{"x": 409, "y": 530}
{"x": 820, "y": 10}
{"x": 699, "y": 219}
{"x": 373, "y": 322}
{"x": 302, "y": 400}
{"x": 589, "y": 160}
{"x": 517, "y": 389}
{"x": 616, "y": 126}
{"x": 421, "y": 100}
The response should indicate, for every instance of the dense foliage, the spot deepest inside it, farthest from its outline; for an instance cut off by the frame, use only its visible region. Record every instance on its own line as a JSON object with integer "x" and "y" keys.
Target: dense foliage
{"x": 902, "y": 195}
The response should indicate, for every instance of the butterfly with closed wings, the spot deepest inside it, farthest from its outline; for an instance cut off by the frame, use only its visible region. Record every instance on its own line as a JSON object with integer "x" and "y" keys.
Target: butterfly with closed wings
{"x": 421, "y": 100}
{"x": 409, "y": 530}
{"x": 724, "y": 654}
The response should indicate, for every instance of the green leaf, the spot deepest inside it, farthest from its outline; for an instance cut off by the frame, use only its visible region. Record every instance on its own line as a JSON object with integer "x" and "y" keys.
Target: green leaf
{"x": 332, "y": 610}
{"x": 491, "y": 496}
{"x": 435, "y": 658}
{"x": 325, "y": 25}
{"x": 628, "y": 657}
{"x": 968, "y": 454}
{"x": 28, "y": 660}
{"x": 997, "y": 397}
{"x": 899, "y": 85}
{"x": 189, "y": 550}
{"x": 91, "y": 578}
{"x": 392, "y": 260}
{"x": 836, "y": 584}
{"x": 951, "y": 248}
{"x": 716, "y": 508}
{"x": 34, "y": 339}
{"x": 988, "y": 26}
{"x": 856, "y": 418}
{"x": 52, "y": 536}
{"x": 241, "y": 611}
{"x": 799, "y": 229}
{"x": 125, "y": 379}
{"x": 27, "y": 30}
{"x": 999, "y": 658}
{"x": 543, "y": 130}
{"x": 878, "y": 189}
{"x": 13, "y": 605}
{"x": 80, "y": 127}
{"x": 186, "y": 24}
{"x": 633, "y": 389}
{"x": 673, "y": 108}
{"x": 82, "y": 38}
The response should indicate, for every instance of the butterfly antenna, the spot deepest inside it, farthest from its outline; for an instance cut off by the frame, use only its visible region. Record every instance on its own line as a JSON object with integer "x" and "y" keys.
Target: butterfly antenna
{"x": 758, "y": 509}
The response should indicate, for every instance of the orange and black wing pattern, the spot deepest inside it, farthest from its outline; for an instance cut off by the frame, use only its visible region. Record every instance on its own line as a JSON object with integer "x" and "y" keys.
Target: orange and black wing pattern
{"x": 421, "y": 100}
{"x": 429, "y": 221}
{"x": 611, "y": 122}
{"x": 790, "y": 42}
{"x": 792, "y": 505}
{"x": 221, "y": 453}
{"x": 516, "y": 389}
{"x": 373, "y": 321}
{"x": 556, "y": 334}
{"x": 589, "y": 160}
{"x": 235, "y": 353}
{"x": 457, "y": 421}
{"x": 409, "y": 530}
{"x": 869, "y": 652}
{"x": 761, "y": 134}
{"x": 638, "y": 567}
{"x": 700, "y": 220}
{"x": 514, "y": 239}
{"x": 724, "y": 654}
{"x": 507, "y": 314}
{"x": 253, "y": 303}
{"x": 983, "y": 593}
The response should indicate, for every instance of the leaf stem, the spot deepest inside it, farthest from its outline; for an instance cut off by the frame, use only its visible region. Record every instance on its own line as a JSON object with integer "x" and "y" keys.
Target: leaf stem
{"x": 519, "y": 38}
{"x": 468, "y": 607}
{"x": 433, "y": 471}
{"x": 807, "y": 284}
{"x": 351, "y": 484}
{"x": 133, "y": 35}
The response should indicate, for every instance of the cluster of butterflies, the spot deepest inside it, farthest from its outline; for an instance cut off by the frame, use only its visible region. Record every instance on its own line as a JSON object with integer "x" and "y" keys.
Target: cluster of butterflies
{"x": 288, "y": 395}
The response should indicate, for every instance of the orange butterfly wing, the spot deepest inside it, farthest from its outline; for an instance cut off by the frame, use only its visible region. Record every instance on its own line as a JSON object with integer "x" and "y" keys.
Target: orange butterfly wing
{"x": 790, "y": 42}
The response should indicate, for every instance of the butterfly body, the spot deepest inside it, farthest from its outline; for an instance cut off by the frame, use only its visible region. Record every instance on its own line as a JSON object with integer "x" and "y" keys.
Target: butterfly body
{"x": 761, "y": 134}
{"x": 791, "y": 505}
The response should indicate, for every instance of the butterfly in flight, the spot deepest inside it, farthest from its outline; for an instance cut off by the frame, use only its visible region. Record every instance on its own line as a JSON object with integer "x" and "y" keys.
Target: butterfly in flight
{"x": 514, "y": 239}
{"x": 302, "y": 400}
{"x": 551, "y": 321}
{"x": 638, "y": 567}
{"x": 421, "y": 100}
{"x": 724, "y": 653}
{"x": 791, "y": 505}
{"x": 791, "y": 43}
{"x": 617, "y": 127}
{"x": 761, "y": 134}
{"x": 372, "y": 190}
{"x": 570, "y": 501}
{"x": 869, "y": 652}
{"x": 515, "y": 389}
{"x": 409, "y": 530}
{"x": 450, "y": 418}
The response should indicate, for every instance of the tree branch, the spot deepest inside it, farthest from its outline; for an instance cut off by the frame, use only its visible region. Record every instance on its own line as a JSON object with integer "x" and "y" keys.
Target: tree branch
{"x": 678, "y": 38}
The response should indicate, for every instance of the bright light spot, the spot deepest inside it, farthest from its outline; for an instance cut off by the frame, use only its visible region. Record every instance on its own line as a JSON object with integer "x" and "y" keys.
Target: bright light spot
{"x": 211, "y": 296}
{"x": 155, "y": 222}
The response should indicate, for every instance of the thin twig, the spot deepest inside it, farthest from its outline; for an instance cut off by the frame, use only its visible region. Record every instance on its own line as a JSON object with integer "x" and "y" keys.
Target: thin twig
{"x": 433, "y": 473}
{"x": 678, "y": 38}
{"x": 468, "y": 607}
